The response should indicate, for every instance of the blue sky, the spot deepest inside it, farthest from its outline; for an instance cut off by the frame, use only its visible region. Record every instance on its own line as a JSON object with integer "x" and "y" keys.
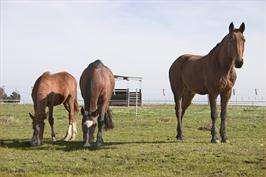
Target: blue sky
{"x": 132, "y": 38}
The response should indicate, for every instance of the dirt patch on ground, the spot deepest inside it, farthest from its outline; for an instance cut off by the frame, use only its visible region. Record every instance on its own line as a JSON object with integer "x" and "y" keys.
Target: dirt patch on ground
{"x": 164, "y": 119}
{"x": 206, "y": 127}
{"x": 4, "y": 120}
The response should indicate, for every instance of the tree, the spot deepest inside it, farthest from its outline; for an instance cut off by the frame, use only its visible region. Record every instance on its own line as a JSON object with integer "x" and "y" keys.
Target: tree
{"x": 15, "y": 96}
{"x": 3, "y": 95}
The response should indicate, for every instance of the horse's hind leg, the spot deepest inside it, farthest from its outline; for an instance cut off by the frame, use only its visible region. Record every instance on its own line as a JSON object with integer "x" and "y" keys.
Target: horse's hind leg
{"x": 66, "y": 106}
{"x": 99, "y": 141}
{"x": 103, "y": 110}
{"x": 178, "y": 111}
{"x": 51, "y": 122}
{"x": 186, "y": 101}
{"x": 72, "y": 127}
{"x": 181, "y": 105}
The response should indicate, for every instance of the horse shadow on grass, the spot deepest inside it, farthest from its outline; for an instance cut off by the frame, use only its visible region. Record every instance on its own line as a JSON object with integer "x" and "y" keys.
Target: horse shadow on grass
{"x": 24, "y": 144}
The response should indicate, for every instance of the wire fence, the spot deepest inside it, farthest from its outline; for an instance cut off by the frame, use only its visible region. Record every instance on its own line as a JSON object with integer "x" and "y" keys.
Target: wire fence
{"x": 253, "y": 97}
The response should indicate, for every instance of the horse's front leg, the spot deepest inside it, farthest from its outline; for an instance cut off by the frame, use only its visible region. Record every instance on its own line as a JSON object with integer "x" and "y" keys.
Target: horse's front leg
{"x": 214, "y": 115}
{"x": 88, "y": 135}
{"x": 225, "y": 96}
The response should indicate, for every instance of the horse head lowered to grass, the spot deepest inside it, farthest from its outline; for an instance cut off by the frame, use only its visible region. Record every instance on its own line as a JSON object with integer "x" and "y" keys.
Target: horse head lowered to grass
{"x": 51, "y": 90}
{"x": 213, "y": 74}
{"x": 96, "y": 85}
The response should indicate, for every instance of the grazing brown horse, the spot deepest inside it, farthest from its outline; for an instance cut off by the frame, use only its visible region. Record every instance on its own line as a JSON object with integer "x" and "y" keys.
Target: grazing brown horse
{"x": 213, "y": 74}
{"x": 96, "y": 85}
{"x": 51, "y": 90}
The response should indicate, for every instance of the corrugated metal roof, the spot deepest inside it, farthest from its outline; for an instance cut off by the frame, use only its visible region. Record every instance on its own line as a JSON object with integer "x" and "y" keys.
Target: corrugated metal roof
{"x": 128, "y": 78}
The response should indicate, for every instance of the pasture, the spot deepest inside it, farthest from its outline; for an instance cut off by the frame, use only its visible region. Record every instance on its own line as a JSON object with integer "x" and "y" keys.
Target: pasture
{"x": 142, "y": 146}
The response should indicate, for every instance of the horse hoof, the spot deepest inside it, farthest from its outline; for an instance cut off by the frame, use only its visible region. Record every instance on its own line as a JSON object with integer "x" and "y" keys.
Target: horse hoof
{"x": 180, "y": 138}
{"x": 225, "y": 141}
{"x": 86, "y": 145}
{"x": 66, "y": 139}
{"x": 215, "y": 141}
{"x": 53, "y": 139}
{"x": 73, "y": 137}
{"x": 98, "y": 143}
{"x": 33, "y": 143}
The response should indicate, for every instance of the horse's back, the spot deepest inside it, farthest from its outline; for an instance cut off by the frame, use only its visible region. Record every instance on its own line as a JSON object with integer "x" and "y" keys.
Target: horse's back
{"x": 58, "y": 81}
{"x": 96, "y": 76}
{"x": 181, "y": 62}
{"x": 184, "y": 68}
{"x": 55, "y": 86}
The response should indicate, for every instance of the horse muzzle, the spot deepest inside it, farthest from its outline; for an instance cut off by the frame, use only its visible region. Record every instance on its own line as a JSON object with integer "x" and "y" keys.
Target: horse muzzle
{"x": 239, "y": 63}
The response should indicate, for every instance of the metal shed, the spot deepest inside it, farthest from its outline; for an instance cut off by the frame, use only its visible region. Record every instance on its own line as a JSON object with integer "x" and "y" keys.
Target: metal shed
{"x": 125, "y": 96}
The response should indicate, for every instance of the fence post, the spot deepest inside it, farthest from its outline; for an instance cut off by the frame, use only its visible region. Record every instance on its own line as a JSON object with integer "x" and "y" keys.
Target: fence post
{"x": 164, "y": 99}
{"x": 140, "y": 97}
{"x": 128, "y": 98}
{"x": 136, "y": 107}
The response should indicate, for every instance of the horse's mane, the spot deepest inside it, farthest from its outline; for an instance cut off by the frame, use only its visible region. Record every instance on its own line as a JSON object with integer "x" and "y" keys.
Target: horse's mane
{"x": 46, "y": 73}
{"x": 217, "y": 46}
{"x": 214, "y": 48}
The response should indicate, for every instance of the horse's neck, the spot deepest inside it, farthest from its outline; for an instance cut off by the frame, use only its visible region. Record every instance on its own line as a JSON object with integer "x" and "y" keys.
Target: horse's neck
{"x": 219, "y": 60}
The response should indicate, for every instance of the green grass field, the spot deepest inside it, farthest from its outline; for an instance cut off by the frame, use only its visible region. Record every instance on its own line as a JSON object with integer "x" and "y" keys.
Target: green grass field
{"x": 138, "y": 146}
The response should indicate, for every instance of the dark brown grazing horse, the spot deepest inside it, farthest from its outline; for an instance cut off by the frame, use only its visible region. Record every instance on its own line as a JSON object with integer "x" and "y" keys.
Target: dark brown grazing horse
{"x": 213, "y": 74}
{"x": 51, "y": 90}
{"x": 96, "y": 85}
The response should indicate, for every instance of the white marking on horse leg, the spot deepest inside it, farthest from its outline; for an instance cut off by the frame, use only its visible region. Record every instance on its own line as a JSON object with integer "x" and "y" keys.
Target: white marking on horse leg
{"x": 53, "y": 139}
{"x": 37, "y": 139}
{"x": 69, "y": 133}
{"x": 74, "y": 131}
{"x": 53, "y": 134}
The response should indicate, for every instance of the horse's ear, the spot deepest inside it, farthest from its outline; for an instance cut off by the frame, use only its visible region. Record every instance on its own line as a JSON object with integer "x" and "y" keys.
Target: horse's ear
{"x": 82, "y": 110}
{"x": 31, "y": 116}
{"x": 242, "y": 27}
{"x": 231, "y": 27}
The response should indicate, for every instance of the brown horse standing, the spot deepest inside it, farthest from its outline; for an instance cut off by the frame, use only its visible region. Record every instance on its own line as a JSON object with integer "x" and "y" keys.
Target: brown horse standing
{"x": 51, "y": 90}
{"x": 212, "y": 74}
{"x": 96, "y": 85}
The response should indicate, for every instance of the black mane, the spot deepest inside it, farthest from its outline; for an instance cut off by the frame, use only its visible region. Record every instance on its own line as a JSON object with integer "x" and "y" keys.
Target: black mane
{"x": 214, "y": 48}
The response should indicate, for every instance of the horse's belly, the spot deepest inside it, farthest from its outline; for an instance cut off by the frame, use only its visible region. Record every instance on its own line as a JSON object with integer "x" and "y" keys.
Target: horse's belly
{"x": 55, "y": 99}
{"x": 196, "y": 86}
{"x": 201, "y": 91}
{"x": 193, "y": 78}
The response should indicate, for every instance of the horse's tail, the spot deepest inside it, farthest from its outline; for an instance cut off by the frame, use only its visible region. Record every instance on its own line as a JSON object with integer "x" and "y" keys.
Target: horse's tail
{"x": 108, "y": 121}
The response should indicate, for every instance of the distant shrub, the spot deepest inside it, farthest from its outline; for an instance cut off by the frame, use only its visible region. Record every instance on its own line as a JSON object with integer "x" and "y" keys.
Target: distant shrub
{"x": 11, "y": 98}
